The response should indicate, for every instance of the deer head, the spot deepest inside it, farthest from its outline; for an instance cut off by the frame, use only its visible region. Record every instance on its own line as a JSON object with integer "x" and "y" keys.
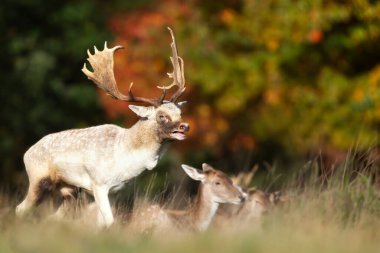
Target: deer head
{"x": 166, "y": 114}
{"x": 216, "y": 183}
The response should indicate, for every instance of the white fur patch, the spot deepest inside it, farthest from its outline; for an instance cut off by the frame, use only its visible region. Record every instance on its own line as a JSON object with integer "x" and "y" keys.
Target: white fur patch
{"x": 206, "y": 222}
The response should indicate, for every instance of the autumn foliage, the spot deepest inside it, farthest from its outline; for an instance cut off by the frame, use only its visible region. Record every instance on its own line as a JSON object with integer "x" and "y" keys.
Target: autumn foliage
{"x": 267, "y": 81}
{"x": 270, "y": 78}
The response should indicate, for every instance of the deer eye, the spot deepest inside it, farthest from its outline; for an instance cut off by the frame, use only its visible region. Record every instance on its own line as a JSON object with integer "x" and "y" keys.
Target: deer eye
{"x": 162, "y": 118}
{"x": 217, "y": 183}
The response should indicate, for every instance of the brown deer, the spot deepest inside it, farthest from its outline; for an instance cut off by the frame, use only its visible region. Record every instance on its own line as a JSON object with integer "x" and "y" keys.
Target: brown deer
{"x": 256, "y": 205}
{"x": 101, "y": 159}
{"x": 215, "y": 188}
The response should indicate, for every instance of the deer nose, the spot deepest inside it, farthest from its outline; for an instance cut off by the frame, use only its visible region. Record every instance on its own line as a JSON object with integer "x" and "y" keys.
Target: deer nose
{"x": 184, "y": 127}
{"x": 242, "y": 198}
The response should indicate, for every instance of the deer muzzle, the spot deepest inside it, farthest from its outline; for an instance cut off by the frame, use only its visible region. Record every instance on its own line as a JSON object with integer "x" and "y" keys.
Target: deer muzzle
{"x": 241, "y": 196}
{"x": 180, "y": 132}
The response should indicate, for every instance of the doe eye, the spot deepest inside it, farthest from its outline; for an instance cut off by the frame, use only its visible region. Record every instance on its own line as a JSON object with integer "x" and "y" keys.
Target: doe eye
{"x": 217, "y": 183}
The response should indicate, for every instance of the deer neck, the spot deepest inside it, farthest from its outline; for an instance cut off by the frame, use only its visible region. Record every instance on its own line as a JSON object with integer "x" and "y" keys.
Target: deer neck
{"x": 143, "y": 135}
{"x": 203, "y": 209}
{"x": 199, "y": 216}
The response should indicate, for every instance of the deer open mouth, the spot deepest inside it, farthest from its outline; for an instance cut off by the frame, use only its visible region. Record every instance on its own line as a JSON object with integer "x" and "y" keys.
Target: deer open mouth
{"x": 179, "y": 135}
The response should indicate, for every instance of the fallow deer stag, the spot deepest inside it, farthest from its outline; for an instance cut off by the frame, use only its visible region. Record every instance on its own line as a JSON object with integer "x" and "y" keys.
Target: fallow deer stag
{"x": 215, "y": 188}
{"x": 102, "y": 158}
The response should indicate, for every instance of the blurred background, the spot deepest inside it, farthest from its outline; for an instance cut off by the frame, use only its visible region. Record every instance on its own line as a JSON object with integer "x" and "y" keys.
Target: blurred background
{"x": 275, "y": 83}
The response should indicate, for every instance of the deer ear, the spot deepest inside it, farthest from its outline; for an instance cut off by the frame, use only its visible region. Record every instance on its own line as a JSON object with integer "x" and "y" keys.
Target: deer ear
{"x": 142, "y": 111}
{"x": 206, "y": 167}
{"x": 193, "y": 172}
{"x": 182, "y": 103}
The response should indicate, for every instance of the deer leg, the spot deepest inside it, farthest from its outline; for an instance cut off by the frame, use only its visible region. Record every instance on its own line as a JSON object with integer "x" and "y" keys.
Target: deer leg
{"x": 36, "y": 192}
{"x": 105, "y": 216}
{"x": 27, "y": 203}
{"x": 67, "y": 196}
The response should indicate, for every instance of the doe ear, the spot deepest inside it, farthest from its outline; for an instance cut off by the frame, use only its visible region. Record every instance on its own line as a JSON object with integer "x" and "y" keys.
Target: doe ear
{"x": 142, "y": 111}
{"x": 206, "y": 167}
{"x": 193, "y": 172}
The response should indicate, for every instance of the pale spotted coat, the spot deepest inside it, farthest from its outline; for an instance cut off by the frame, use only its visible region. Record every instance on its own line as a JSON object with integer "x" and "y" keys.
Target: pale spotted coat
{"x": 101, "y": 158}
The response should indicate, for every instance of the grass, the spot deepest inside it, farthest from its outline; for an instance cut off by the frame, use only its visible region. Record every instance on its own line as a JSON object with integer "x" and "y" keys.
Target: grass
{"x": 339, "y": 213}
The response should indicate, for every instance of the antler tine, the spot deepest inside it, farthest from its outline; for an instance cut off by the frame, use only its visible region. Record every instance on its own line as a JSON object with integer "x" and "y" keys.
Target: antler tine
{"x": 177, "y": 75}
{"x": 103, "y": 75}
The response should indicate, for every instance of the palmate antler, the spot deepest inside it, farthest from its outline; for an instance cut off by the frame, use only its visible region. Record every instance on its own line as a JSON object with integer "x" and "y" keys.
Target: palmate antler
{"x": 177, "y": 75}
{"x": 103, "y": 75}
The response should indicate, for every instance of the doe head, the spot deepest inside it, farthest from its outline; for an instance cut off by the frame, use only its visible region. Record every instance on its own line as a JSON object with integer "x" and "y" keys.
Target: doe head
{"x": 217, "y": 183}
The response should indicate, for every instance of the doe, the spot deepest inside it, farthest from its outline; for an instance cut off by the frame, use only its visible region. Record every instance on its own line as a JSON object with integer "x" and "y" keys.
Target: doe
{"x": 215, "y": 188}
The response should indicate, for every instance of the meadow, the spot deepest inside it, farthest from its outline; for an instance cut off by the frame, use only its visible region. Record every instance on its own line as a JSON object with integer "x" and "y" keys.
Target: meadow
{"x": 335, "y": 213}
{"x": 268, "y": 81}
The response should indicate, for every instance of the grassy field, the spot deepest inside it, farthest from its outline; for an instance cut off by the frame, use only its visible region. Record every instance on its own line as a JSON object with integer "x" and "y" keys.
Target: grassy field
{"x": 335, "y": 214}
